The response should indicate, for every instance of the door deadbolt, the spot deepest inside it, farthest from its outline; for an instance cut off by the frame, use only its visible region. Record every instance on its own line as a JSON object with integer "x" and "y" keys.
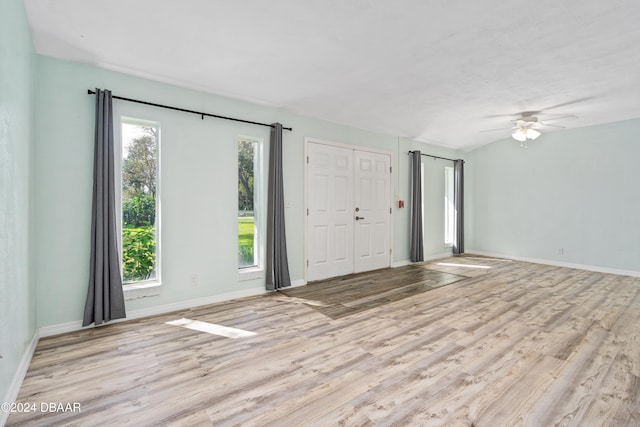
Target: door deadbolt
{"x": 357, "y": 209}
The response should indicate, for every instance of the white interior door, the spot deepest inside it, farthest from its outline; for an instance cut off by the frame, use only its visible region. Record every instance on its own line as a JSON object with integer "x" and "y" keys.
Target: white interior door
{"x": 372, "y": 183}
{"x": 330, "y": 215}
{"x": 344, "y": 184}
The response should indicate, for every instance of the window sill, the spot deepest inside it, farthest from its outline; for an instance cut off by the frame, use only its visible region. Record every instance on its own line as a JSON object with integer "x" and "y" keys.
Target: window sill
{"x": 448, "y": 245}
{"x": 141, "y": 290}
{"x": 250, "y": 273}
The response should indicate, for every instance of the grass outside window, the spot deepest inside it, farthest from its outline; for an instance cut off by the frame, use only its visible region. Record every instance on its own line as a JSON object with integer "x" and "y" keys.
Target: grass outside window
{"x": 245, "y": 241}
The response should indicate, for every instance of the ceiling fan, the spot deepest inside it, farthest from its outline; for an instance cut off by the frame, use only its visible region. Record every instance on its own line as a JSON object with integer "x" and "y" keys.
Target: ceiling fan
{"x": 527, "y": 126}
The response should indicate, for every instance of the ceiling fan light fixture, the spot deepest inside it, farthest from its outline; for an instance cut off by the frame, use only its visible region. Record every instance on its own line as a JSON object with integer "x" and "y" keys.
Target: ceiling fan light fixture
{"x": 524, "y": 134}
{"x": 532, "y": 134}
{"x": 519, "y": 135}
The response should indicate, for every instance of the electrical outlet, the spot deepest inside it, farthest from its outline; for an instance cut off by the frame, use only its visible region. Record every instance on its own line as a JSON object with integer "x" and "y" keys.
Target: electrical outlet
{"x": 560, "y": 251}
{"x": 193, "y": 279}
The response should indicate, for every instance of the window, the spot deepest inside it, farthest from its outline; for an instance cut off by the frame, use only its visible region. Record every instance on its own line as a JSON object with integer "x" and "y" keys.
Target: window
{"x": 449, "y": 212}
{"x": 139, "y": 200}
{"x": 249, "y": 215}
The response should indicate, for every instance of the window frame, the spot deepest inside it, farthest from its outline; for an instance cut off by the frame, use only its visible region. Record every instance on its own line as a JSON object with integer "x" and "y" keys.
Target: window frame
{"x": 150, "y": 287}
{"x": 449, "y": 209}
{"x": 259, "y": 209}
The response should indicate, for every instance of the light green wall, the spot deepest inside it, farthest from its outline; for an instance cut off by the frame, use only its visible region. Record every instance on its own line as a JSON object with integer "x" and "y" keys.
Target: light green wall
{"x": 17, "y": 295}
{"x": 198, "y": 185}
{"x": 575, "y": 189}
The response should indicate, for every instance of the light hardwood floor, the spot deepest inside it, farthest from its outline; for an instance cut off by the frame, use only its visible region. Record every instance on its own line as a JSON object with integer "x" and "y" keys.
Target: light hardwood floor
{"x": 511, "y": 344}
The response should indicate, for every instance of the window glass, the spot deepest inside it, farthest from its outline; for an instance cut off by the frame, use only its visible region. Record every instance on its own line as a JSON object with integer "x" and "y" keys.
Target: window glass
{"x": 449, "y": 212}
{"x": 248, "y": 165}
{"x": 139, "y": 196}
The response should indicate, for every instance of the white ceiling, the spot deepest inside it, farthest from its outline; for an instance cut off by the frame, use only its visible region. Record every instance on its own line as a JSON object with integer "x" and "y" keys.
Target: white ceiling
{"x": 437, "y": 71}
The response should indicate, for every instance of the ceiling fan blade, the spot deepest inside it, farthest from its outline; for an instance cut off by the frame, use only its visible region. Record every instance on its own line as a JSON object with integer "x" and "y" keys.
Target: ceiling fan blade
{"x": 575, "y": 101}
{"x": 497, "y": 116}
{"x": 491, "y": 130}
{"x": 517, "y": 114}
{"x": 561, "y": 118}
{"x": 552, "y": 126}
{"x": 542, "y": 110}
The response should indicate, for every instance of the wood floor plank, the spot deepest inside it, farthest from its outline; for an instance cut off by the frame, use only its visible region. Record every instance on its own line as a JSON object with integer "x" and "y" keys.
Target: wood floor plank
{"x": 454, "y": 342}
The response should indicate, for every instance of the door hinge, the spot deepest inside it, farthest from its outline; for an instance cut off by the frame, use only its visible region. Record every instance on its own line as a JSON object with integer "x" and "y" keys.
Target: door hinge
{"x": 307, "y": 211}
{"x": 390, "y": 250}
{"x": 307, "y": 159}
{"x": 390, "y": 210}
{"x": 390, "y": 169}
{"x": 307, "y": 263}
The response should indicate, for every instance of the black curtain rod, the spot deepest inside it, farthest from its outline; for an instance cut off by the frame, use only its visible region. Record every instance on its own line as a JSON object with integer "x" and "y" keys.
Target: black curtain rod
{"x": 437, "y": 157}
{"x": 201, "y": 114}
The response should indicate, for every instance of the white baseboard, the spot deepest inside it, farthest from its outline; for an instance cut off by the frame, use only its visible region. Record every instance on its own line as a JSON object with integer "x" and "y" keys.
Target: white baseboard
{"x": 439, "y": 256}
{"x": 400, "y": 263}
{"x": 62, "y": 328}
{"x": 18, "y": 377}
{"x": 183, "y": 305}
{"x": 559, "y": 264}
{"x": 427, "y": 258}
{"x": 297, "y": 283}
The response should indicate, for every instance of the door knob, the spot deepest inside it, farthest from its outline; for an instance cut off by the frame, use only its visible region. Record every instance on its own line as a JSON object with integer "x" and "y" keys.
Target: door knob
{"x": 359, "y": 218}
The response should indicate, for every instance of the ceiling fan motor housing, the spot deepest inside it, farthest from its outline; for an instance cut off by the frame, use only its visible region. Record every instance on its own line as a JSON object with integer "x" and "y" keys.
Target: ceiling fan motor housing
{"x": 526, "y": 121}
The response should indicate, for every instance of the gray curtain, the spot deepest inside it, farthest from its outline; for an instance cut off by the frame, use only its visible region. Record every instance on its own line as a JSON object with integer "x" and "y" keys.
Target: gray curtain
{"x": 417, "y": 252}
{"x": 277, "y": 262}
{"x": 458, "y": 206}
{"x": 105, "y": 297}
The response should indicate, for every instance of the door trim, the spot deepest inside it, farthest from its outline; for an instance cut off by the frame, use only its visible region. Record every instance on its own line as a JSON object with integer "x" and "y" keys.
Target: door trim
{"x": 312, "y": 140}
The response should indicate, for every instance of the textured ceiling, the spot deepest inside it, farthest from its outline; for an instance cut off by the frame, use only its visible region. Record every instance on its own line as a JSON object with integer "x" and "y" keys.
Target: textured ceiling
{"x": 439, "y": 72}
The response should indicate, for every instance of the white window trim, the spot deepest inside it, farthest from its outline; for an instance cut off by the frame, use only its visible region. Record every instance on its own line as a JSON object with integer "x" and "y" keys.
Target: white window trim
{"x": 136, "y": 290}
{"x": 145, "y": 288}
{"x": 250, "y": 273}
{"x": 256, "y": 271}
{"x": 448, "y": 216}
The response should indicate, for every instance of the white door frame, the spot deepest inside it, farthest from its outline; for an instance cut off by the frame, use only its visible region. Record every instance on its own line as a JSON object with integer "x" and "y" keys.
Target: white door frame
{"x": 307, "y": 141}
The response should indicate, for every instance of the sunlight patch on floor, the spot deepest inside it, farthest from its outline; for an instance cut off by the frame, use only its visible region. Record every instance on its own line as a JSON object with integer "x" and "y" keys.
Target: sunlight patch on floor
{"x": 488, "y": 259}
{"x": 211, "y": 328}
{"x": 450, "y": 264}
{"x": 307, "y": 301}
